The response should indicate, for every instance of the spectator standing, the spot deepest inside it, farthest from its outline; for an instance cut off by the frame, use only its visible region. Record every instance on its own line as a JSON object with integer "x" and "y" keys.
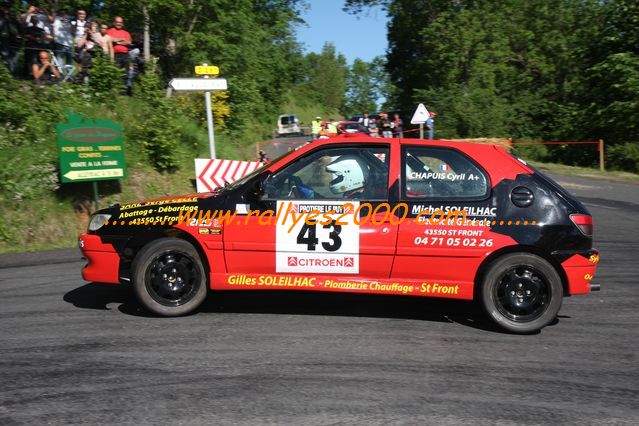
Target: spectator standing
{"x": 398, "y": 126}
{"x": 387, "y": 132}
{"x": 121, "y": 40}
{"x": 263, "y": 159}
{"x": 316, "y": 126}
{"x": 26, "y": 16}
{"x": 40, "y": 13}
{"x": 85, "y": 50}
{"x": 364, "y": 120}
{"x": 98, "y": 34}
{"x": 38, "y": 38}
{"x": 332, "y": 126}
{"x": 63, "y": 37}
{"x": 430, "y": 123}
{"x": 324, "y": 133}
{"x": 372, "y": 128}
{"x": 136, "y": 54}
{"x": 44, "y": 18}
{"x": 44, "y": 71}
{"x": 9, "y": 38}
{"x": 78, "y": 29}
{"x": 104, "y": 28}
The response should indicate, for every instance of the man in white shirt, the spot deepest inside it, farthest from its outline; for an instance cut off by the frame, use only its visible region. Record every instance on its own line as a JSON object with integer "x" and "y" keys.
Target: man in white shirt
{"x": 63, "y": 37}
{"x": 79, "y": 26}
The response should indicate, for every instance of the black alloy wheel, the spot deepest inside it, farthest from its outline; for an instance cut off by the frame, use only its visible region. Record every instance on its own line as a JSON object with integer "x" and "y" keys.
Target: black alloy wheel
{"x": 172, "y": 279}
{"x": 521, "y": 292}
{"x": 169, "y": 277}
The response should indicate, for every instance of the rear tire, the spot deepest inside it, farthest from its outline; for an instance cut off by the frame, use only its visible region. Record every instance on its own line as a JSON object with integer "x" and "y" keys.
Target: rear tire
{"x": 169, "y": 278}
{"x": 521, "y": 292}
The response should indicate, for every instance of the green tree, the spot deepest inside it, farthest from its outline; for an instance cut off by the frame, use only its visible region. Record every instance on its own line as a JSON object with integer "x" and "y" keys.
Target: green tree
{"x": 362, "y": 92}
{"x": 608, "y": 90}
{"x": 368, "y": 85}
{"x": 508, "y": 68}
{"x": 327, "y": 73}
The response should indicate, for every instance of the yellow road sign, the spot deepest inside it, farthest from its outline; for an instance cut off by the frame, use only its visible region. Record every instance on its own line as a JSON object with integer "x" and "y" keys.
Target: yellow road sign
{"x": 207, "y": 70}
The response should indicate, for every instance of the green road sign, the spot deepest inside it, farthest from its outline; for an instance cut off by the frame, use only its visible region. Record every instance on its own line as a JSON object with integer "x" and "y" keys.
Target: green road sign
{"x": 90, "y": 150}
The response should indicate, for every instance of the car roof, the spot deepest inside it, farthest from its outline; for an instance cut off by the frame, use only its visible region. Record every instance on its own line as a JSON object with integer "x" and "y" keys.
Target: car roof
{"x": 502, "y": 164}
{"x": 365, "y": 138}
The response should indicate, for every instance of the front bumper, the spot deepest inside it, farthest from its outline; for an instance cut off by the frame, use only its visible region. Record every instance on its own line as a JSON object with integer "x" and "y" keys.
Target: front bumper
{"x": 103, "y": 262}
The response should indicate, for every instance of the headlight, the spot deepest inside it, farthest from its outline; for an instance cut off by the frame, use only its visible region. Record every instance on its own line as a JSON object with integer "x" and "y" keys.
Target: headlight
{"x": 98, "y": 221}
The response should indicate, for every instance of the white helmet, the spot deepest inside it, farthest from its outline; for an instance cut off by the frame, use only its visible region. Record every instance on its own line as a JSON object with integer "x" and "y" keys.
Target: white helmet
{"x": 349, "y": 173}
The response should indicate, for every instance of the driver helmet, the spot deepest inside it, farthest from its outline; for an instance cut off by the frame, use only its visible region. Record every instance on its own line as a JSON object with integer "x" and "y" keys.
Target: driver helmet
{"x": 349, "y": 173}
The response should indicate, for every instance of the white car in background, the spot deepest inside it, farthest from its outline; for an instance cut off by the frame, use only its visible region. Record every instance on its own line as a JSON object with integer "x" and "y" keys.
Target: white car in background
{"x": 288, "y": 124}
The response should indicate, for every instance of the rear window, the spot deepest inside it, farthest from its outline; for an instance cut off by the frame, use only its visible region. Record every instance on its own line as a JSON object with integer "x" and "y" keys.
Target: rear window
{"x": 441, "y": 173}
{"x": 288, "y": 119}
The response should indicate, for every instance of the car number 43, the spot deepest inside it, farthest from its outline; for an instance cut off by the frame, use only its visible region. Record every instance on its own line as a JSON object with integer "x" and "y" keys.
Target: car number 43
{"x": 308, "y": 236}
{"x": 318, "y": 246}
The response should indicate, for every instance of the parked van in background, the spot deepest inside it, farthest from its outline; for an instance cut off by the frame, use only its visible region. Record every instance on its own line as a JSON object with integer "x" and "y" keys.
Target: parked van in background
{"x": 288, "y": 124}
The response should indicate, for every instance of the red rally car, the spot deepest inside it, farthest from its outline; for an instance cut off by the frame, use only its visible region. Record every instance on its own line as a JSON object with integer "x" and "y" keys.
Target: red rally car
{"x": 357, "y": 214}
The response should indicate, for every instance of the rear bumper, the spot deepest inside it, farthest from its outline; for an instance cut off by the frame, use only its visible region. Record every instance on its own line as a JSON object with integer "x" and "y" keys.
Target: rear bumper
{"x": 580, "y": 270}
{"x": 103, "y": 262}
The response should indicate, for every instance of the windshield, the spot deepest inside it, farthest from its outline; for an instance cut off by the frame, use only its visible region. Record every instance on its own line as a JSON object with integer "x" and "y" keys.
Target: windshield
{"x": 254, "y": 173}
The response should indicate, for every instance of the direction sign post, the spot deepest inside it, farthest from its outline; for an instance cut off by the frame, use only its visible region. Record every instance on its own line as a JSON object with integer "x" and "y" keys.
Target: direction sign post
{"x": 207, "y": 70}
{"x": 420, "y": 116}
{"x": 198, "y": 84}
{"x": 205, "y": 84}
{"x": 209, "y": 122}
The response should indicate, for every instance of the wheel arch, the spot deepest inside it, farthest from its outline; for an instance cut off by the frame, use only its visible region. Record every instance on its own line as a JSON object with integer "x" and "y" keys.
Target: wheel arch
{"x": 483, "y": 267}
{"x": 138, "y": 242}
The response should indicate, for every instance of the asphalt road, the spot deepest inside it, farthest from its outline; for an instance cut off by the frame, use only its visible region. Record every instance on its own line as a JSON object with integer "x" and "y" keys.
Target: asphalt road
{"x": 72, "y": 352}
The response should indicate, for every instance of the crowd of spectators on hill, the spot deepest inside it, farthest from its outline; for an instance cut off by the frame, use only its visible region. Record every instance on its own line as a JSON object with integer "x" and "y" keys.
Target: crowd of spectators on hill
{"x": 376, "y": 125}
{"x": 51, "y": 46}
{"x": 379, "y": 125}
{"x": 383, "y": 125}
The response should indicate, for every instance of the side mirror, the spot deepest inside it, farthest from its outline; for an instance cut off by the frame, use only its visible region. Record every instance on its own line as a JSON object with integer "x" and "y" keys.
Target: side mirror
{"x": 259, "y": 188}
{"x": 256, "y": 191}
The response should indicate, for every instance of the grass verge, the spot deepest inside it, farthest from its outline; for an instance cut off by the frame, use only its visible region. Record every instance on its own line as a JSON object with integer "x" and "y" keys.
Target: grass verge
{"x": 587, "y": 172}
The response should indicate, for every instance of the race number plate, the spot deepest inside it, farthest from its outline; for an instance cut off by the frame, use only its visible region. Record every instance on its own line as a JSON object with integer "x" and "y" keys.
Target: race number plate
{"x": 331, "y": 245}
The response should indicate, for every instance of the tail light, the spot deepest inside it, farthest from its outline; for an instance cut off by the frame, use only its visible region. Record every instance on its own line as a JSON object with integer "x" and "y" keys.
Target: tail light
{"x": 583, "y": 222}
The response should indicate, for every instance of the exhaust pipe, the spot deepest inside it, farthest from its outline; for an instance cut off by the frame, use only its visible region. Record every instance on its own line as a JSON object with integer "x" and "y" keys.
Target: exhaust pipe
{"x": 595, "y": 287}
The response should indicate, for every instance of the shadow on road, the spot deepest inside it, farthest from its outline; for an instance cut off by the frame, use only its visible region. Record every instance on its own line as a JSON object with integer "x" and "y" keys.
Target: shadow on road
{"x": 99, "y": 296}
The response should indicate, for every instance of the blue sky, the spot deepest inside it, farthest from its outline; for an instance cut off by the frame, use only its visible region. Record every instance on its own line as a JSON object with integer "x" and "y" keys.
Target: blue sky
{"x": 362, "y": 36}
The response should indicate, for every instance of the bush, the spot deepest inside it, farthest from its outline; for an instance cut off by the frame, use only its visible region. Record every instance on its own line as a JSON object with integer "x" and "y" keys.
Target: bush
{"x": 21, "y": 180}
{"x": 623, "y": 157}
{"x": 160, "y": 138}
{"x": 532, "y": 152}
{"x": 106, "y": 80}
{"x": 149, "y": 86}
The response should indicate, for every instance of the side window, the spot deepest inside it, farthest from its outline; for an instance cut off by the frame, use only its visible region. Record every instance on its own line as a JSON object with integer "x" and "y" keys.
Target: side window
{"x": 441, "y": 173}
{"x": 334, "y": 173}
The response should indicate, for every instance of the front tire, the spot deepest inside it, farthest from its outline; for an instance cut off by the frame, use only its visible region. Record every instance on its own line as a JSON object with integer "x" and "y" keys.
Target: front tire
{"x": 169, "y": 278}
{"x": 521, "y": 292}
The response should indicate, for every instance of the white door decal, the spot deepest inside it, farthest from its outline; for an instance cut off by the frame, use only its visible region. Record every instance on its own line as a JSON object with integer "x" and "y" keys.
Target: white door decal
{"x": 331, "y": 245}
